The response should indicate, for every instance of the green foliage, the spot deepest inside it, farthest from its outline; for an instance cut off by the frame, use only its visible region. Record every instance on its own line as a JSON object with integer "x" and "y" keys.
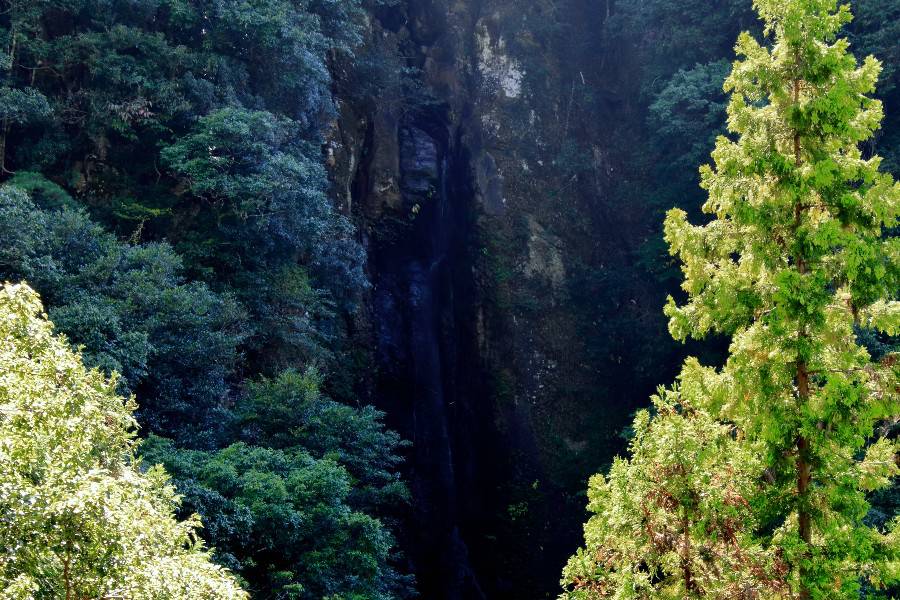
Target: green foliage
{"x": 193, "y": 130}
{"x": 297, "y": 322}
{"x": 687, "y": 114}
{"x": 683, "y": 121}
{"x": 292, "y": 511}
{"x": 795, "y": 260}
{"x": 196, "y": 122}
{"x": 45, "y": 193}
{"x": 306, "y": 542}
{"x": 672, "y": 35}
{"x": 674, "y": 520}
{"x": 20, "y": 106}
{"x": 875, "y": 30}
{"x": 79, "y": 520}
{"x": 263, "y": 190}
{"x": 174, "y": 342}
{"x": 795, "y": 256}
{"x": 290, "y": 410}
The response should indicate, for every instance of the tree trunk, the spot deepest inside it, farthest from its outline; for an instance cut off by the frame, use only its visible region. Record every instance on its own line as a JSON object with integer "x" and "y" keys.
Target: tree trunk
{"x": 686, "y": 570}
{"x": 804, "y": 475}
{"x": 804, "y": 470}
{"x": 4, "y": 131}
{"x": 66, "y": 576}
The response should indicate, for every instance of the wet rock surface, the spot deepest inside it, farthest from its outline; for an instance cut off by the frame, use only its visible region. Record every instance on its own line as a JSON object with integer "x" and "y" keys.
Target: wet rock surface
{"x": 480, "y": 188}
{"x": 419, "y": 165}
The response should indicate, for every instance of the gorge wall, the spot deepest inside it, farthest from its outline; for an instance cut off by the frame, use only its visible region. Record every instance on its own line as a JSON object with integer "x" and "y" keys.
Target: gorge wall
{"x": 479, "y": 179}
{"x": 509, "y": 178}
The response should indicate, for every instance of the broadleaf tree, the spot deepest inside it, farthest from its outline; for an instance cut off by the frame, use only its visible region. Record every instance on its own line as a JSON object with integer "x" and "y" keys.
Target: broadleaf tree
{"x": 81, "y": 518}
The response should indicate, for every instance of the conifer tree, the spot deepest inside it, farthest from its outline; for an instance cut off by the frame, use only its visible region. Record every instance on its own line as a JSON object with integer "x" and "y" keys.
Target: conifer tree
{"x": 673, "y": 520}
{"x": 796, "y": 258}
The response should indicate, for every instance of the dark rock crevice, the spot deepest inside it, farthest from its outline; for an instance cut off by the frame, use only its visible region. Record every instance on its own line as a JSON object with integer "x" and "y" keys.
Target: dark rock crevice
{"x": 473, "y": 220}
{"x": 428, "y": 371}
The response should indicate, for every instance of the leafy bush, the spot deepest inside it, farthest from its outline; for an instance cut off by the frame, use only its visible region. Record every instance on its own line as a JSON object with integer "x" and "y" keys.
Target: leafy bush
{"x": 292, "y": 511}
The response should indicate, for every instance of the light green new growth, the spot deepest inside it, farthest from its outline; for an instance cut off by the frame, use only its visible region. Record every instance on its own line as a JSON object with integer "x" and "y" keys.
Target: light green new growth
{"x": 673, "y": 520}
{"x": 78, "y": 519}
{"x": 796, "y": 257}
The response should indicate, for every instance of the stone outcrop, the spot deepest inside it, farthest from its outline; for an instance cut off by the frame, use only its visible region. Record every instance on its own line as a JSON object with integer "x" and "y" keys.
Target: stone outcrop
{"x": 479, "y": 183}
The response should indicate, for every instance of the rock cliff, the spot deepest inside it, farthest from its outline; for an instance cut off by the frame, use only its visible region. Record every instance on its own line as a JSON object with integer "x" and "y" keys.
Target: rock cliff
{"x": 478, "y": 175}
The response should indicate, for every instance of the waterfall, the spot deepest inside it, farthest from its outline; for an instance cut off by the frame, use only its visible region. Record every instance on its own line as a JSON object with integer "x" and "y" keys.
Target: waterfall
{"x": 418, "y": 340}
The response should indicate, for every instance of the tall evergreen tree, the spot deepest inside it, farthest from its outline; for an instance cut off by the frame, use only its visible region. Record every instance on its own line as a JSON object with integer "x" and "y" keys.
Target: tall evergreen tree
{"x": 797, "y": 258}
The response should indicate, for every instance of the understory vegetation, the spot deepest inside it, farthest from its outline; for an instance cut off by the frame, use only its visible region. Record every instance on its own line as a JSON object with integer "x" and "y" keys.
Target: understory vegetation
{"x": 164, "y": 191}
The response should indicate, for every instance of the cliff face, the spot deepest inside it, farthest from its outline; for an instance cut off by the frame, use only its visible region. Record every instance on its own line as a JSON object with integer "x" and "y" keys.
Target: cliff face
{"x": 478, "y": 177}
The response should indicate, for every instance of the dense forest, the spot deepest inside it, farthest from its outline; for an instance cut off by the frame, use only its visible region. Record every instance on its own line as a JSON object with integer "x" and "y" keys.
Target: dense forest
{"x": 371, "y": 299}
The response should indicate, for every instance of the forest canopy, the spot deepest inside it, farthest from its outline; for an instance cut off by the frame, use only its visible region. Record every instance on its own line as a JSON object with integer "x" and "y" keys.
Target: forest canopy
{"x": 346, "y": 299}
{"x": 165, "y": 192}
